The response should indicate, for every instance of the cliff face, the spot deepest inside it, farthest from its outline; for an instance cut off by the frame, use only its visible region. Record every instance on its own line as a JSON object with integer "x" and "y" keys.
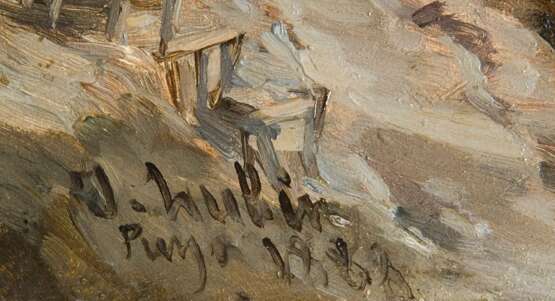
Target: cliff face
{"x": 277, "y": 150}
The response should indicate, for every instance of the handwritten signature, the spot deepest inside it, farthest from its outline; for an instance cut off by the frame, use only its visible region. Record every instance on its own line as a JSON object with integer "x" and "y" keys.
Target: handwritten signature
{"x": 95, "y": 191}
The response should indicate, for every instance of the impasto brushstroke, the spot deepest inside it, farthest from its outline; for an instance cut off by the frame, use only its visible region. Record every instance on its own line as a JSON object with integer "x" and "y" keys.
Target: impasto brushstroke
{"x": 386, "y": 150}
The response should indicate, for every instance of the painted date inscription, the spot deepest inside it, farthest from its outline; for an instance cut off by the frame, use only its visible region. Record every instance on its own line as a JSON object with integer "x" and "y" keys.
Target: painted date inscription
{"x": 95, "y": 191}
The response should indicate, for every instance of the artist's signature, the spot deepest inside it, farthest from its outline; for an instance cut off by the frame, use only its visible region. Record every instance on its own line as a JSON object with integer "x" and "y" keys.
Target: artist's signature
{"x": 101, "y": 202}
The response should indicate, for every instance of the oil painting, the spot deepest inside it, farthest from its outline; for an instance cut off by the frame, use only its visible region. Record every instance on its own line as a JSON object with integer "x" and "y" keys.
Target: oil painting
{"x": 386, "y": 150}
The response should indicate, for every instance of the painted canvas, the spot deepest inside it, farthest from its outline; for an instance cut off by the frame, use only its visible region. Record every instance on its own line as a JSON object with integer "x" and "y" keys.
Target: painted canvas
{"x": 386, "y": 150}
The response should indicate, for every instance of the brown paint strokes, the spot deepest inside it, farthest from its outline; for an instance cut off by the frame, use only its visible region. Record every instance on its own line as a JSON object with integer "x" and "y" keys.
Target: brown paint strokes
{"x": 471, "y": 37}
